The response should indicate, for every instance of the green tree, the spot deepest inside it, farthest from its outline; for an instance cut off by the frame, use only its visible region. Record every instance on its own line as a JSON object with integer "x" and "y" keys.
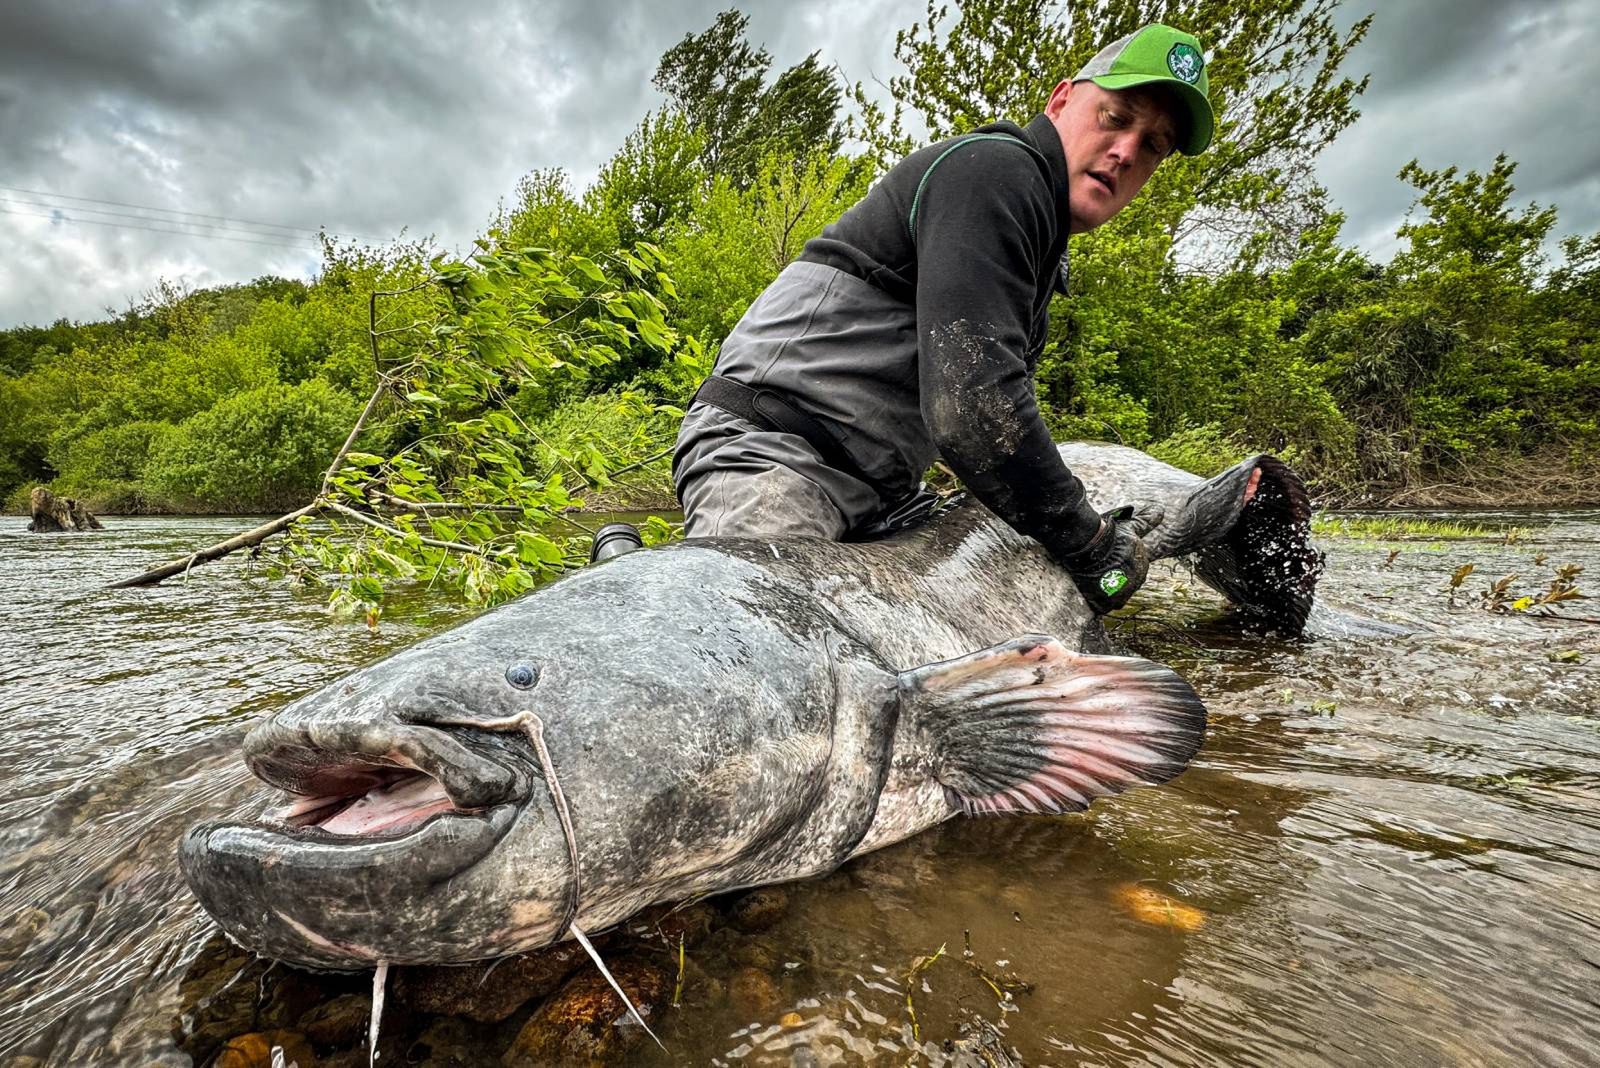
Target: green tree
{"x": 716, "y": 79}
{"x": 652, "y": 183}
{"x": 545, "y": 213}
{"x": 1451, "y": 351}
{"x": 1273, "y": 68}
{"x": 740, "y": 238}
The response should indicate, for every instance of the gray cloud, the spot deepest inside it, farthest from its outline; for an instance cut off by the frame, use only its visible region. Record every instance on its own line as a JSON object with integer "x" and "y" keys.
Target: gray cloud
{"x": 372, "y": 118}
{"x": 1456, "y": 82}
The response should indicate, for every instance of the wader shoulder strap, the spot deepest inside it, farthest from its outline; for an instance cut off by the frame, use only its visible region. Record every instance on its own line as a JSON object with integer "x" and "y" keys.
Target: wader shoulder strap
{"x": 916, "y": 198}
{"x": 769, "y": 410}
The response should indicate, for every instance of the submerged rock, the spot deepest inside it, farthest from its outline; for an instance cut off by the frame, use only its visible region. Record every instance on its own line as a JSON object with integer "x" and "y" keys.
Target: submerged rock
{"x": 349, "y": 1058}
{"x": 758, "y": 953}
{"x": 340, "y": 1022}
{"x": 490, "y": 991}
{"x": 586, "y": 1022}
{"x": 667, "y": 923}
{"x": 449, "y": 1042}
{"x": 752, "y": 994}
{"x": 255, "y": 1050}
{"x": 759, "y": 909}
{"x": 26, "y": 925}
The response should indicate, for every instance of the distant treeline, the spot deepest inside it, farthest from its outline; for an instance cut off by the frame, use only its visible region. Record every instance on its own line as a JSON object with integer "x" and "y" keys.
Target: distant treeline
{"x": 1219, "y": 315}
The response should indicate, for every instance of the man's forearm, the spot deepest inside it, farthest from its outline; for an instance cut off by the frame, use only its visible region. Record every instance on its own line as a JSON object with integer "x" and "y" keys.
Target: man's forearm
{"x": 978, "y": 402}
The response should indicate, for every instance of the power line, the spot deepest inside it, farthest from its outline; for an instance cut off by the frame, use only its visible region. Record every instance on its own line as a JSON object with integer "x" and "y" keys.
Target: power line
{"x": 145, "y": 218}
{"x": 146, "y": 207}
{"x": 173, "y": 211}
{"x": 56, "y": 217}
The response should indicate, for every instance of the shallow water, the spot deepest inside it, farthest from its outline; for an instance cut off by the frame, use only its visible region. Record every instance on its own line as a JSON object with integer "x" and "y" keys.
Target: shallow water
{"x": 1386, "y": 853}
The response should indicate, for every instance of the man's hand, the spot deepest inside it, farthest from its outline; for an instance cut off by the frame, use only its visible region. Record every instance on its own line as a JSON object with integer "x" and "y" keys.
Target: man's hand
{"x": 1113, "y": 565}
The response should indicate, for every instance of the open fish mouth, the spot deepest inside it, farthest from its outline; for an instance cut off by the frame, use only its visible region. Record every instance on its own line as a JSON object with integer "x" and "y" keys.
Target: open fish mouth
{"x": 378, "y": 811}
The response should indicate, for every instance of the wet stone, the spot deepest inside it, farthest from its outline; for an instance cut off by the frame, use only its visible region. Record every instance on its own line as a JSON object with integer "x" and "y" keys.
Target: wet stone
{"x": 665, "y": 923}
{"x": 758, "y": 953}
{"x": 759, "y": 909}
{"x": 349, "y": 1058}
{"x": 219, "y": 1000}
{"x": 752, "y": 994}
{"x": 24, "y": 927}
{"x": 449, "y": 1042}
{"x": 255, "y": 1050}
{"x": 61, "y": 930}
{"x": 340, "y": 1022}
{"x": 289, "y": 995}
{"x": 487, "y": 992}
{"x": 587, "y": 1023}
{"x": 701, "y": 989}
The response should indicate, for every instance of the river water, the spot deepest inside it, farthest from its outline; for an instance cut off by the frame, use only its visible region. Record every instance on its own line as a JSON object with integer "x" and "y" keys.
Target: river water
{"x": 1386, "y": 853}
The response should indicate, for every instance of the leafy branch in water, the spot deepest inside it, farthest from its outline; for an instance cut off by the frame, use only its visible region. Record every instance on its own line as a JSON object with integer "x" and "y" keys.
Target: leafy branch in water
{"x": 1500, "y": 598}
{"x": 474, "y": 496}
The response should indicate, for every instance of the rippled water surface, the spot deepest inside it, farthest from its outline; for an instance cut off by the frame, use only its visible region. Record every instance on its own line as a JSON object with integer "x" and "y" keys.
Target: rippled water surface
{"x": 1386, "y": 854}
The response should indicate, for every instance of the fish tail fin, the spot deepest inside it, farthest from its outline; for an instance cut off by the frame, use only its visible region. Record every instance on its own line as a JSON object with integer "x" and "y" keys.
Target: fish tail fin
{"x": 1249, "y": 533}
{"x": 1030, "y": 726}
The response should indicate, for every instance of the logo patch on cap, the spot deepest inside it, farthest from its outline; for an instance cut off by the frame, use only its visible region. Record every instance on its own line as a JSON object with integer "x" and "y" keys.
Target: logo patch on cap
{"x": 1186, "y": 62}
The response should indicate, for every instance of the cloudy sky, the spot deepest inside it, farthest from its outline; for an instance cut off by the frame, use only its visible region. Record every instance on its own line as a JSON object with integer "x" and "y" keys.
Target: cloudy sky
{"x": 266, "y": 120}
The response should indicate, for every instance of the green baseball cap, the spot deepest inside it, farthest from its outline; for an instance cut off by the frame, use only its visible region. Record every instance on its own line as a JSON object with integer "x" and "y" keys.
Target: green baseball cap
{"x": 1159, "y": 53}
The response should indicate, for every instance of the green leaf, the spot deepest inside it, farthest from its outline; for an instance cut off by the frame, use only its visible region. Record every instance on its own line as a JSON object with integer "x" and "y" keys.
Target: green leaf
{"x": 536, "y": 548}
{"x": 394, "y": 564}
{"x": 367, "y": 589}
{"x": 586, "y": 267}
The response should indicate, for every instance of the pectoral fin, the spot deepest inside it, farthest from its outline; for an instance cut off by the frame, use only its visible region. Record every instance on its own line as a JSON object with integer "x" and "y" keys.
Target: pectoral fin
{"x": 1030, "y": 726}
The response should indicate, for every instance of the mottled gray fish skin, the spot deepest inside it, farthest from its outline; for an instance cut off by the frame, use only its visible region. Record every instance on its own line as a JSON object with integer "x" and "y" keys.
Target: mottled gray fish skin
{"x": 720, "y": 713}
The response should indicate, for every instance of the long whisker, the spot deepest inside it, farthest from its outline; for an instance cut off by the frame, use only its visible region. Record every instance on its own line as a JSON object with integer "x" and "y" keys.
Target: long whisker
{"x": 598, "y": 963}
{"x": 530, "y": 722}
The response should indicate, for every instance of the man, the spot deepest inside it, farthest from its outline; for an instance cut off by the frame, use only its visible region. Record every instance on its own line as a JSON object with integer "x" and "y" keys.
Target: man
{"x": 910, "y": 329}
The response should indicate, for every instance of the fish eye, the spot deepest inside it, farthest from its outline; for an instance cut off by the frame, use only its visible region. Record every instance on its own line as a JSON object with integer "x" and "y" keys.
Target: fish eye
{"x": 522, "y": 676}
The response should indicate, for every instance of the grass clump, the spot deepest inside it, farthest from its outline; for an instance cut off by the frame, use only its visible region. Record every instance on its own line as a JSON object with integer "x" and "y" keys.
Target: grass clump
{"x": 1410, "y": 528}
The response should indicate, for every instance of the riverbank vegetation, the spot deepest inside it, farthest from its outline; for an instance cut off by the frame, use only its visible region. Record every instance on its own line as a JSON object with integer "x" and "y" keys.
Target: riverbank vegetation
{"x": 1220, "y": 315}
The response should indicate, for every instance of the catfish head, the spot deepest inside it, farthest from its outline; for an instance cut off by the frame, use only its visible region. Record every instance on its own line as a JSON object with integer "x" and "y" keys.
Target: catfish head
{"x": 677, "y": 696}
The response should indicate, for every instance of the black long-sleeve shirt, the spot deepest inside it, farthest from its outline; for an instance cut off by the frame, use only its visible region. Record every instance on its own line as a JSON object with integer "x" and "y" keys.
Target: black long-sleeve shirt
{"x": 972, "y": 233}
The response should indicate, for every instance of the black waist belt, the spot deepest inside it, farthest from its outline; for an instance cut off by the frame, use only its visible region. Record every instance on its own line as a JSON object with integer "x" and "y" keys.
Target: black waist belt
{"x": 770, "y": 411}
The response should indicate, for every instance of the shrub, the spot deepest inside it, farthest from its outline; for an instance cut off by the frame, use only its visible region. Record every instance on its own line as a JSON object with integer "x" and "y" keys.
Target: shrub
{"x": 1203, "y": 450}
{"x": 261, "y": 450}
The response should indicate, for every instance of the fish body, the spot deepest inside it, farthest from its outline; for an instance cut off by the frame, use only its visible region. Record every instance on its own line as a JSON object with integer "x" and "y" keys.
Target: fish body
{"x": 720, "y": 713}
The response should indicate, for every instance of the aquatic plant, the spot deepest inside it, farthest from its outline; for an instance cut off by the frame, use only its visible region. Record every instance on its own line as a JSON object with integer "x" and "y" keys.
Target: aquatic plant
{"x": 1500, "y": 598}
{"x": 1409, "y": 528}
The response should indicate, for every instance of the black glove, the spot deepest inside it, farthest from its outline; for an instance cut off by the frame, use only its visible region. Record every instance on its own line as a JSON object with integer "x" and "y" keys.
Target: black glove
{"x": 1113, "y": 565}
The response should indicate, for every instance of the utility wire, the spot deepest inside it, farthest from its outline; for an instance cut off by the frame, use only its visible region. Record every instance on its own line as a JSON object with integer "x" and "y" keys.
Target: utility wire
{"x": 56, "y": 217}
{"x": 172, "y": 211}
{"x": 146, "y": 207}
{"x": 148, "y": 218}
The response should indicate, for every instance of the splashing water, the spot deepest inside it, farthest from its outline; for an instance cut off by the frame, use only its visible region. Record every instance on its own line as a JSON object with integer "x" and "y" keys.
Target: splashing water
{"x": 379, "y": 976}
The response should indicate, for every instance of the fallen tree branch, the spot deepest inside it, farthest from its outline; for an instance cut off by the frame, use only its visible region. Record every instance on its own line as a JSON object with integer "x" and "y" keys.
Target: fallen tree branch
{"x": 402, "y": 505}
{"x": 378, "y": 524}
{"x": 355, "y": 432}
{"x": 222, "y": 548}
{"x": 638, "y": 464}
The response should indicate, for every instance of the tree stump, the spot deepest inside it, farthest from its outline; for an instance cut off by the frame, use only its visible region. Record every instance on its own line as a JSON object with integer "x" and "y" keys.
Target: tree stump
{"x": 52, "y": 513}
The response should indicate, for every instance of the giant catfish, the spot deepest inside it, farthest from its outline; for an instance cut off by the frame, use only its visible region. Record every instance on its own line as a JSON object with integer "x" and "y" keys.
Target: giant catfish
{"x": 721, "y": 713}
